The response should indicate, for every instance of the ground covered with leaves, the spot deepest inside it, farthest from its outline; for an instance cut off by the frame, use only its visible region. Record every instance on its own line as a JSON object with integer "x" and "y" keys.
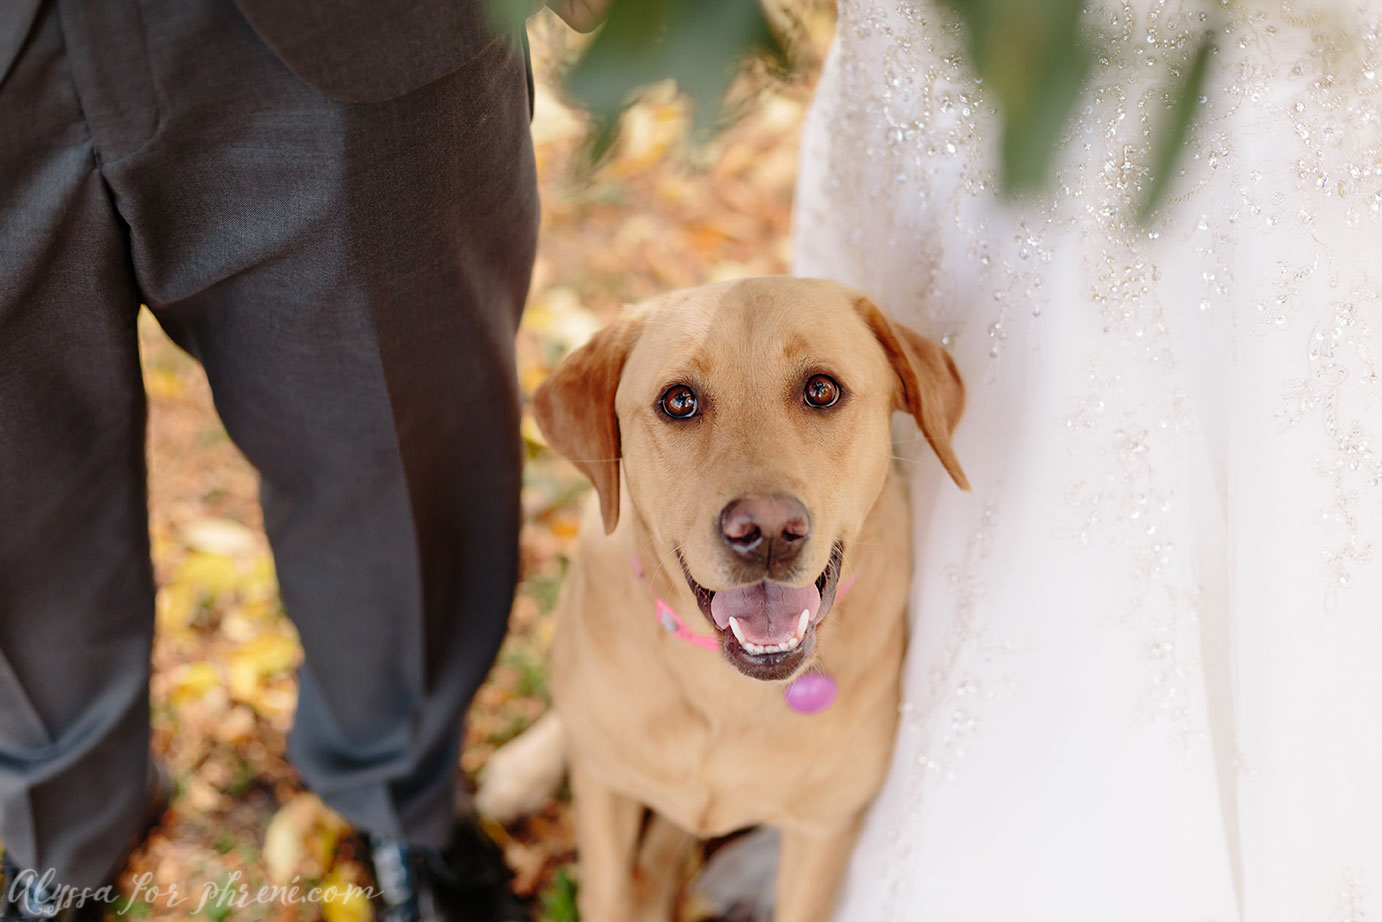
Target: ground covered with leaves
{"x": 656, "y": 215}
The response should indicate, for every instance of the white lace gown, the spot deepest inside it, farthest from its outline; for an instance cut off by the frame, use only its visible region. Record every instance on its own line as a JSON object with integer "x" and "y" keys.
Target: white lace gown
{"x": 1144, "y": 679}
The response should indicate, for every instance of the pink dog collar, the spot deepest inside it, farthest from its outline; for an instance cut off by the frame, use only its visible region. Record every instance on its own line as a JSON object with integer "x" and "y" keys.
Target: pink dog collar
{"x": 673, "y": 623}
{"x": 810, "y": 693}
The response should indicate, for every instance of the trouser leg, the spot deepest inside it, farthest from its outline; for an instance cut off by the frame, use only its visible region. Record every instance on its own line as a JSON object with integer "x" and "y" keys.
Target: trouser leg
{"x": 76, "y": 591}
{"x": 351, "y": 277}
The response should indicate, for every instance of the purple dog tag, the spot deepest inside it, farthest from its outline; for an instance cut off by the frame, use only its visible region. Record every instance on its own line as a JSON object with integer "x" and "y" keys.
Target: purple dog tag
{"x": 811, "y": 693}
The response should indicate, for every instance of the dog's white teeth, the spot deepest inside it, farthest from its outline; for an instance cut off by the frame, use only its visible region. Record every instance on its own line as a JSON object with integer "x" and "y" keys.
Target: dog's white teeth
{"x": 739, "y": 633}
{"x": 758, "y": 649}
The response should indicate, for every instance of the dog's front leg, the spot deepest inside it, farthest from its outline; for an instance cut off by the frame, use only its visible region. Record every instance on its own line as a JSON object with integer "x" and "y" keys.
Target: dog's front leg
{"x": 661, "y": 869}
{"x": 607, "y": 825}
{"x": 809, "y": 868}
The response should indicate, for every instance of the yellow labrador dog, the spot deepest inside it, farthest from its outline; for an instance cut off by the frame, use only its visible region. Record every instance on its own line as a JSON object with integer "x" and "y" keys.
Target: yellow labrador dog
{"x": 728, "y": 646}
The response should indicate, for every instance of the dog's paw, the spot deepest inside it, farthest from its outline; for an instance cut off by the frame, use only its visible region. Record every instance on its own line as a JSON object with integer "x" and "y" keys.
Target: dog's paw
{"x": 524, "y": 773}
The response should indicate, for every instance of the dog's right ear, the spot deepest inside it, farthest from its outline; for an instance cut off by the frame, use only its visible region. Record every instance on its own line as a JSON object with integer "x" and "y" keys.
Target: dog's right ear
{"x": 930, "y": 388}
{"x": 575, "y": 408}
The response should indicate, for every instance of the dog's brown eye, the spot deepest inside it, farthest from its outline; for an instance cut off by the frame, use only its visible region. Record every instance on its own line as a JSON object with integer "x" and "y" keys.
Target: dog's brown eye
{"x": 679, "y": 402}
{"x": 822, "y": 391}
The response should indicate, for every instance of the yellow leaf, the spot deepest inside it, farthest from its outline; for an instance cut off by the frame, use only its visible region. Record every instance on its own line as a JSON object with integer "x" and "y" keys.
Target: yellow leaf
{"x": 192, "y": 683}
{"x": 266, "y": 655}
{"x": 300, "y": 840}
{"x": 245, "y": 679}
{"x": 532, "y": 432}
{"x": 255, "y": 664}
{"x": 163, "y": 545}
{"x": 275, "y": 703}
{"x": 213, "y": 572}
{"x": 160, "y": 382}
{"x": 261, "y": 575}
{"x": 566, "y": 527}
{"x": 263, "y": 611}
{"x": 530, "y": 376}
{"x": 176, "y": 606}
{"x": 343, "y": 900}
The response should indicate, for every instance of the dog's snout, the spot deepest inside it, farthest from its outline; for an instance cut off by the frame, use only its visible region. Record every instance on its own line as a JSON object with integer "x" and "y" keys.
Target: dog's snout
{"x": 765, "y": 529}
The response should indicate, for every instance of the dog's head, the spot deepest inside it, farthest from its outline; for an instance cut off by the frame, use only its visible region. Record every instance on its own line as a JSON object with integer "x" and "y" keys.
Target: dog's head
{"x": 752, "y": 419}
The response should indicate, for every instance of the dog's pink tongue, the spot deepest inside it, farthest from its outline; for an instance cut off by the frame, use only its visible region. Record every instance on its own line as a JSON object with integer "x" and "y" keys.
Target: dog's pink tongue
{"x": 768, "y": 613}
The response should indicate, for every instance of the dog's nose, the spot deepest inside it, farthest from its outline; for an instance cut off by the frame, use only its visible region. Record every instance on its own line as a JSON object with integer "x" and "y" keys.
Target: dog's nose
{"x": 770, "y": 529}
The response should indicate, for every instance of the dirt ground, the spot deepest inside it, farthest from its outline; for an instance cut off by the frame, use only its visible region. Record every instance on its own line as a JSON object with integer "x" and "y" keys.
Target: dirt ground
{"x": 656, "y": 216}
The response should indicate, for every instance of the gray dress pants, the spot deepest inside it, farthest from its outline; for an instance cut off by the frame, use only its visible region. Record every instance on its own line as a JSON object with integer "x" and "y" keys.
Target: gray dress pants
{"x": 351, "y": 276}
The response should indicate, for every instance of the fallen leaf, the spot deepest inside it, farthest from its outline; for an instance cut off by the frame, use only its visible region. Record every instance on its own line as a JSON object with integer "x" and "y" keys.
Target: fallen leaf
{"x": 193, "y": 682}
{"x": 344, "y": 900}
{"x": 255, "y": 664}
{"x": 301, "y": 839}
{"x": 225, "y": 537}
{"x": 216, "y": 573}
{"x": 176, "y": 606}
{"x": 163, "y": 383}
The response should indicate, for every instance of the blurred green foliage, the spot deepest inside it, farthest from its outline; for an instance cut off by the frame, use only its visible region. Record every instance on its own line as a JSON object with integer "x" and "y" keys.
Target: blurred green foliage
{"x": 1033, "y": 55}
{"x": 698, "y": 43}
{"x": 701, "y": 44}
{"x": 1034, "y": 58}
{"x": 1185, "y": 95}
{"x": 559, "y": 900}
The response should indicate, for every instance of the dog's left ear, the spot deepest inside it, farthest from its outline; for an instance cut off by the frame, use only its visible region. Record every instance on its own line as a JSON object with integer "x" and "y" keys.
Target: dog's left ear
{"x": 929, "y": 383}
{"x": 575, "y": 408}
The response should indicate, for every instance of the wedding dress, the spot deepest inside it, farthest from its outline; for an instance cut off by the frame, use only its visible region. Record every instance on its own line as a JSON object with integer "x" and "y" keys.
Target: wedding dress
{"x": 1144, "y": 677}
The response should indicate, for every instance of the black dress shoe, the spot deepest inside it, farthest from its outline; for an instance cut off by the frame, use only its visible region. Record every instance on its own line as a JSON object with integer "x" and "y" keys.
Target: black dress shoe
{"x": 465, "y": 882}
{"x": 30, "y": 897}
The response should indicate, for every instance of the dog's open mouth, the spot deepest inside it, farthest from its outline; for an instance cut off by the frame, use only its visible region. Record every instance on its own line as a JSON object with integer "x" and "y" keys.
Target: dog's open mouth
{"x": 768, "y": 629}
